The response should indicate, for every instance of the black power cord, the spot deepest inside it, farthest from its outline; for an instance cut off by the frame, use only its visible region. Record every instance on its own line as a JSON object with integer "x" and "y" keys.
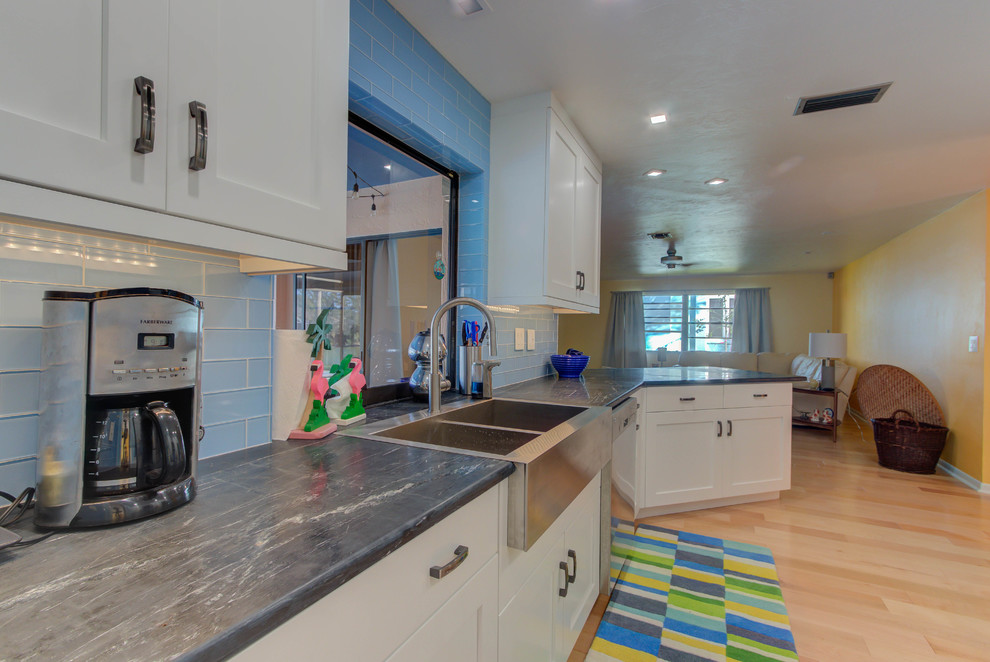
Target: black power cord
{"x": 16, "y": 510}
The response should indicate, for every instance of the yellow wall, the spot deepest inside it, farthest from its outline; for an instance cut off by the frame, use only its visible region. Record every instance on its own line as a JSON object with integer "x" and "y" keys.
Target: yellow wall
{"x": 913, "y": 303}
{"x": 799, "y": 304}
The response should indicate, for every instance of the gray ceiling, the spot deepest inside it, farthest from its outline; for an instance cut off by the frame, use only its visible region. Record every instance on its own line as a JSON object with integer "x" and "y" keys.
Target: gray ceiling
{"x": 805, "y": 193}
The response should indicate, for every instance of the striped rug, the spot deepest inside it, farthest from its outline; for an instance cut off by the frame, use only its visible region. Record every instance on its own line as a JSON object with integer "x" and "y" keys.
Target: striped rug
{"x": 684, "y": 598}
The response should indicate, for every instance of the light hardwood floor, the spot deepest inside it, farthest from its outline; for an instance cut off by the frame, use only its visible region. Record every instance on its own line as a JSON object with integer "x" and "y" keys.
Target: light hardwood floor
{"x": 874, "y": 564}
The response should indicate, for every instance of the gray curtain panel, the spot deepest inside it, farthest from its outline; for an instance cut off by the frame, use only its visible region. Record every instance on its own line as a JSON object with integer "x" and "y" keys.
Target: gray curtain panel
{"x": 385, "y": 351}
{"x": 625, "y": 335}
{"x": 751, "y": 321}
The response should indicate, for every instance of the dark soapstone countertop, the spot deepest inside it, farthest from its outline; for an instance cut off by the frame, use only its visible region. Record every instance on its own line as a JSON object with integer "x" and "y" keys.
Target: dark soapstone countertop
{"x": 271, "y": 530}
{"x": 606, "y": 386}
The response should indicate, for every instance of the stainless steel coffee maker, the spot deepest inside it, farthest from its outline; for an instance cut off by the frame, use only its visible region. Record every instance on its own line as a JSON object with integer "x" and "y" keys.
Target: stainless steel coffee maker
{"x": 120, "y": 420}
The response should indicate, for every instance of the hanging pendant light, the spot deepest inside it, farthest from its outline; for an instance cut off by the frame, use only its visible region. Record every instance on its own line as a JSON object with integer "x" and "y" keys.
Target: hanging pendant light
{"x": 374, "y": 208}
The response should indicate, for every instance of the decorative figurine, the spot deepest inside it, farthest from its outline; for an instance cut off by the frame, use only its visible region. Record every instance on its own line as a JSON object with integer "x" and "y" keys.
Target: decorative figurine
{"x": 316, "y": 423}
{"x": 345, "y": 405}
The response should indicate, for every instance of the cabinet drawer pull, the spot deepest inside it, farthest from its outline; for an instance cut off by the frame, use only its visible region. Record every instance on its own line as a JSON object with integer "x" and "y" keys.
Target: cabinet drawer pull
{"x": 198, "y": 160}
{"x": 571, "y": 554}
{"x": 441, "y": 571}
{"x": 562, "y": 592}
{"x": 719, "y": 428}
{"x": 759, "y": 395}
{"x": 730, "y": 428}
{"x": 687, "y": 399}
{"x": 145, "y": 88}
{"x": 582, "y": 280}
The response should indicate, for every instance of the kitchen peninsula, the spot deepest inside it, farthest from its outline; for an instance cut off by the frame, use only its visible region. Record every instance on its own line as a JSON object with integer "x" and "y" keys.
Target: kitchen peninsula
{"x": 276, "y": 528}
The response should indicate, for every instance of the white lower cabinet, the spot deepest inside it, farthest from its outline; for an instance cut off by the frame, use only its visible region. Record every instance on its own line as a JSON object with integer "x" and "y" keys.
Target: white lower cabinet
{"x": 464, "y": 629}
{"x": 711, "y": 445}
{"x": 396, "y": 611}
{"x": 546, "y": 594}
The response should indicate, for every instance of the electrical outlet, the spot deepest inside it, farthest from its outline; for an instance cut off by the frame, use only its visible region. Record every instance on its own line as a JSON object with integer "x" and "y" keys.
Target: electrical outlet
{"x": 974, "y": 343}
{"x": 530, "y": 338}
{"x": 520, "y": 338}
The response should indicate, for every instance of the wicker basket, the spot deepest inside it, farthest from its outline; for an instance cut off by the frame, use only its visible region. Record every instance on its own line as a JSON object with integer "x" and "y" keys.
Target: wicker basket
{"x": 907, "y": 445}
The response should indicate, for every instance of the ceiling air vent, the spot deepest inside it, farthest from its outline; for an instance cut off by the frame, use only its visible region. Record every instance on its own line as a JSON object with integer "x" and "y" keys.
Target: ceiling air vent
{"x": 845, "y": 99}
{"x": 468, "y": 7}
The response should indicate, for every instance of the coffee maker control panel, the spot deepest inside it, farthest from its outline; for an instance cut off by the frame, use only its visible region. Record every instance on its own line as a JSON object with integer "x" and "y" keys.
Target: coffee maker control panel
{"x": 144, "y": 343}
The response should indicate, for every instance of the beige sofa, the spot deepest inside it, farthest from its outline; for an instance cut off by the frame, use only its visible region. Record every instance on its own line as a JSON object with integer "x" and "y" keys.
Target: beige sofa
{"x": 777, "y": 363}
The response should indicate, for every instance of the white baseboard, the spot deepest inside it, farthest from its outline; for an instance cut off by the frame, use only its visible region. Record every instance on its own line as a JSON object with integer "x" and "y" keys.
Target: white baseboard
{"x": 964, "y": 478}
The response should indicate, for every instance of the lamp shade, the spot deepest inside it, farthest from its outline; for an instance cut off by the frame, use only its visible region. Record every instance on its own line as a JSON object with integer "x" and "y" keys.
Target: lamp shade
{"x": 827, "y": 345}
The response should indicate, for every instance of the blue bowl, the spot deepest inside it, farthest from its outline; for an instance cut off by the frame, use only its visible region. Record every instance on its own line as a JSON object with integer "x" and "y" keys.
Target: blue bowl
{"x": 569, "y": 367}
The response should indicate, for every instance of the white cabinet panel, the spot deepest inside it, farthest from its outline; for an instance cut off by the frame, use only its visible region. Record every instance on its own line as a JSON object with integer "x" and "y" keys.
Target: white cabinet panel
{"x": 587, "y": 231}
{"x": 562, "y": 177}
{"x": 69, "y": 107}
{"x": 582, "y": 550}
{"x": 525, "y": 625}
{"x": 464, "y": 629}
{"x": 276, "y": 117}
{"x": 682, "y": 460}
{"x": 537, "y": 623}
{"x": 758, "y": 395}
{"x": 757, "y": 450}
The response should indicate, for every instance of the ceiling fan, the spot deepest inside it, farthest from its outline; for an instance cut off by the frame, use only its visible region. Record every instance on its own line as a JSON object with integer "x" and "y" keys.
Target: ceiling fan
{"x": 672, "y": 260}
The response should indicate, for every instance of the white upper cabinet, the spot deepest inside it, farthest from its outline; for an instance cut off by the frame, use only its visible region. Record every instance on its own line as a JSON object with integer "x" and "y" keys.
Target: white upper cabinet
{"x": 270, "y": 105}
{"x": 545, "y": 234}
{"x": 70, "y": 111}
{"x": 246, "y": 102}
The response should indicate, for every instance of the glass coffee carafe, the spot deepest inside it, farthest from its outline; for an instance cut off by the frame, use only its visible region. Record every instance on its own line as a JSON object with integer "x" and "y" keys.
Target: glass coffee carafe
{"x": 133, "y": 449}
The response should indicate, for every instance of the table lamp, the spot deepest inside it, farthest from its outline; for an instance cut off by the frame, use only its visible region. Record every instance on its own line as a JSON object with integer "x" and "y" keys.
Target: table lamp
{"x": 827, "y": 346}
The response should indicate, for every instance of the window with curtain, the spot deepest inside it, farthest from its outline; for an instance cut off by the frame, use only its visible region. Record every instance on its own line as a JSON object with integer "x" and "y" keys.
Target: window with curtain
{"x": 401, "y": 223}
{"x": 688, "y": 321}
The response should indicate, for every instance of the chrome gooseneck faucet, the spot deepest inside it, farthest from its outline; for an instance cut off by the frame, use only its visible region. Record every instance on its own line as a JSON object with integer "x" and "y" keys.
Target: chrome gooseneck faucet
{"x": 435, "y": 377}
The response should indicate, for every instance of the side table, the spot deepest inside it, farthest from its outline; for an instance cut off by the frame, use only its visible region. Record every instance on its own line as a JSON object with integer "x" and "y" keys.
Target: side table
{"x": 807, "y": 422}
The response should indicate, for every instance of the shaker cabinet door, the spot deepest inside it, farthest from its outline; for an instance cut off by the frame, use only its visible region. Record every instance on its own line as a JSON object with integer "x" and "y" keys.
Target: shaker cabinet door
{"x": 682, "y": 458}
{"x": 258, "y": 116}
{"x": 587, "y": 231}
{"x": 70, "y": 110}
{"x": 562, "y": 178}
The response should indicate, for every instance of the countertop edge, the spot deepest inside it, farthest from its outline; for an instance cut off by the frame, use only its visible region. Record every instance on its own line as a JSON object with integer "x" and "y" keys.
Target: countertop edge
{"x": 245, "y": 633}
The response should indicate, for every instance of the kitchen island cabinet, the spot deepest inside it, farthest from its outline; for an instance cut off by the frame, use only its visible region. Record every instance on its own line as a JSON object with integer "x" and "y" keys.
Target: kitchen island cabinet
{"x": 171, "y": 108}
{"x": 545, "y": 239}
{"x": 697, "y": 450}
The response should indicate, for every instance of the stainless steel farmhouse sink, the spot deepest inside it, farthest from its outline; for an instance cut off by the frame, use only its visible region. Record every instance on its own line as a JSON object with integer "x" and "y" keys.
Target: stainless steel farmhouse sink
{"x": 556, "y": 450}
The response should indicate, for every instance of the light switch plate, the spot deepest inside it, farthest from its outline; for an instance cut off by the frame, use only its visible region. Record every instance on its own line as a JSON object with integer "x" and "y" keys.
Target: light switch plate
{"x": 520, "y": 338}
{"x": 974, "y": 343}
{"x": 530, "y": 338}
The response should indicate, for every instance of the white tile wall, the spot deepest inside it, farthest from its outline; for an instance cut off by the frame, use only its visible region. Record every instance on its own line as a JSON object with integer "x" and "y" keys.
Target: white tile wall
{"x": 237, "y": 337}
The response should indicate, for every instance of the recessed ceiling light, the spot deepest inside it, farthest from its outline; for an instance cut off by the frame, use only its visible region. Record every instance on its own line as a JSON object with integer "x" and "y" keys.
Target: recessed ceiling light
{"x": 388, "y": 166}
{"x": 654, "y": 173}
{"x": 658, "y": 119}
{"x": 716, "y": 181}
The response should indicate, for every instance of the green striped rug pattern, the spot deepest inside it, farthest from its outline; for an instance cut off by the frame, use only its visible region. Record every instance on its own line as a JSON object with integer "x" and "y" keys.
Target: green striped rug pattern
{"x": 682, "y": 597}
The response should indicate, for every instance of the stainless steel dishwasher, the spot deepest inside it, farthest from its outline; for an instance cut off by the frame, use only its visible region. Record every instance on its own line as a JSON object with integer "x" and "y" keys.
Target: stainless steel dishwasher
{"x": 623, "y": 441}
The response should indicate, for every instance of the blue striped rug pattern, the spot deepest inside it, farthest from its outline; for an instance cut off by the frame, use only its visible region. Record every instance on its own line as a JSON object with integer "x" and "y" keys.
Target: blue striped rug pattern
{"x": 682, "y": 597}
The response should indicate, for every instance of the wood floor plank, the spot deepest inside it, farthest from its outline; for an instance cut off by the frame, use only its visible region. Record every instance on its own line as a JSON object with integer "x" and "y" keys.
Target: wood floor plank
{"x": 875, "y": 564}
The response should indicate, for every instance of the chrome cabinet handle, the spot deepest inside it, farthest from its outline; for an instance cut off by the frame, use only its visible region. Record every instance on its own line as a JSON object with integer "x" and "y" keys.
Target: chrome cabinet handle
{"x": 759, "y": 395}
{"x": 562, "y": 592}
{"x": 441, "y": 571}
{"x": 687, "y": 399}
{"x": 730, "y": 429}
{"x": 719, "y": 428}
{"x": 198, "y": 160}
{"x": 145, "y": 88}
{"x": 571, "y": 554}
